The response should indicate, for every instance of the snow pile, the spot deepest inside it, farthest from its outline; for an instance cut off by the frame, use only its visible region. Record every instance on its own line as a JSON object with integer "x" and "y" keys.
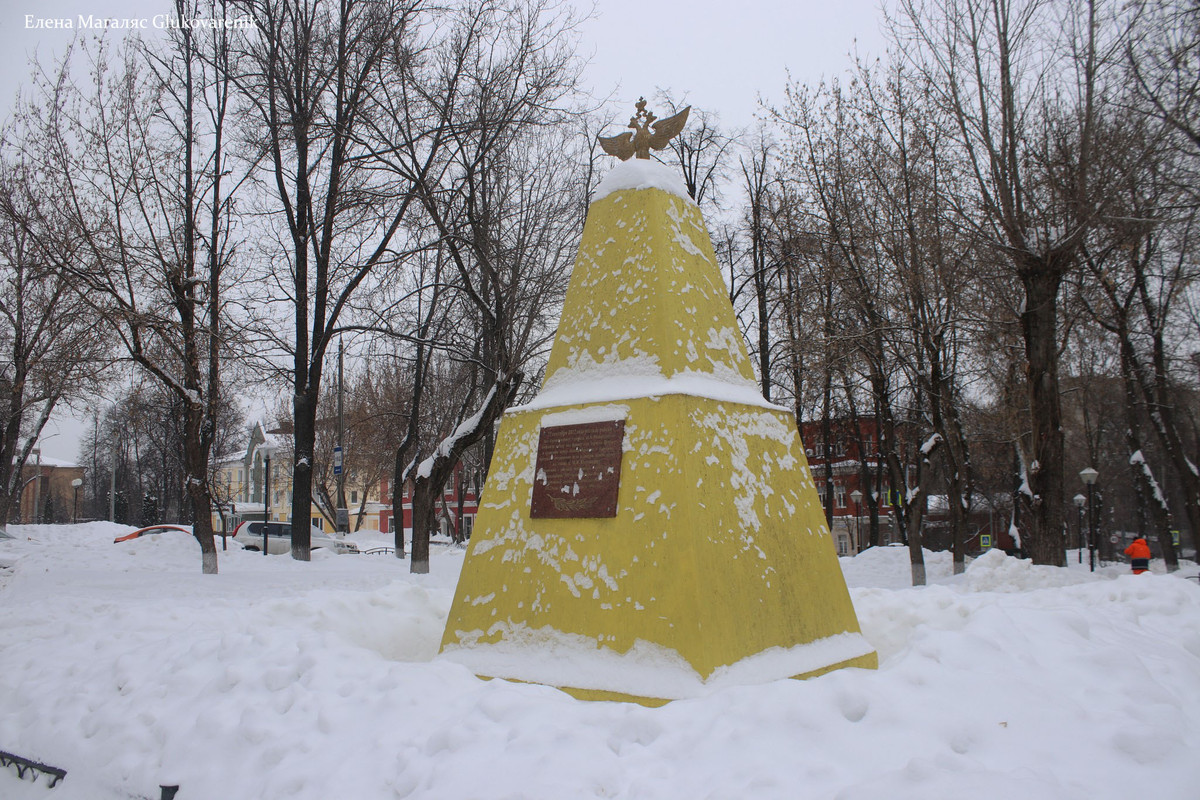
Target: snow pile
{"x": 995, "y": 572}
{"x": 125, "y": 666}
{"x": 647, "y": 670}
{"x": 640, "y": 173}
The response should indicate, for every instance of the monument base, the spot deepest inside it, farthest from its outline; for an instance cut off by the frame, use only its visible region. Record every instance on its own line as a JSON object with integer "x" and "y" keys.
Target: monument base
{"x": 868, "y": 661}
{"x": 647, "y": 673}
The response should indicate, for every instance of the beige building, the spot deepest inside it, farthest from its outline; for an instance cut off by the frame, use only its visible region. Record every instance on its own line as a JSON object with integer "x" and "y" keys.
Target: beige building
{"x": 238, "y": 487}
{"x": 49, "y": 492}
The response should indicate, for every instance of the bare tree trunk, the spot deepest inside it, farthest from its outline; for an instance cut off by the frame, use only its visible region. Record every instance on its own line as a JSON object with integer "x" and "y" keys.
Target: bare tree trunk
{"x": 460, "y": 506}
{"x": 827, "y": 393}
{"x": 1163, "y": 417}
{"x": 1152, "y": 501}
{"x": 318, "y": 69}
{"x": 431, "y": 475}
{"x": 865, "y": 475}
{"x": 424, "y": 517}
{"x": 1039, "y": 323}
{"x": 196, "y": 483}
{"x": 304, "y": 419}
{"x": 399, "y": 469}
{"x": 755, "y": 175}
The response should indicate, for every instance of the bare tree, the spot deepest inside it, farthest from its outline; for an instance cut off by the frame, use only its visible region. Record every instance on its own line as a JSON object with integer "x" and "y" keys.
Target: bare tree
{"x": 703, "y": 152}
{"x": 1141, "y": 261}
{"x": 757, "y": 178}
{"x": 936, "y": 268}
{"x": 510, "y": 242}
{"x": 859, "y": 306}
{"x": 140, "y": 165}
{"x": 1163, "y": 53}
{"x": 1024, "y": 83}
{"x": 480, "y": 133}
{"x": 52, "y": 346}
{"x": 317, "y": 67}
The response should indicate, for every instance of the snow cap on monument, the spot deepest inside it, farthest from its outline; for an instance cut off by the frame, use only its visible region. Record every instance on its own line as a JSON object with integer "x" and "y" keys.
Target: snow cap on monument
{"x": 649, "y": 529}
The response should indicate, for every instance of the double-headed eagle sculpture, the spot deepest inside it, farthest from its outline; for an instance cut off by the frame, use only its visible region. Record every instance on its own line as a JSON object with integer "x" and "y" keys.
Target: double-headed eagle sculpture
{"x": 648, "y": 132}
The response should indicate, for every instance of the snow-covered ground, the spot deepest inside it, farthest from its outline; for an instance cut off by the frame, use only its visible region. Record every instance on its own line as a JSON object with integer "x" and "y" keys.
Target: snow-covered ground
{"x": 125, "y": 666}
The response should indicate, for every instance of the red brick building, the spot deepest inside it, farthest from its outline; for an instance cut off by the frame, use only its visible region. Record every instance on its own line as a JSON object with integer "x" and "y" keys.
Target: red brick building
{"x": 853, "y": 462}
{"x": 456, "y": 511}
{"x": 850, "y": 450}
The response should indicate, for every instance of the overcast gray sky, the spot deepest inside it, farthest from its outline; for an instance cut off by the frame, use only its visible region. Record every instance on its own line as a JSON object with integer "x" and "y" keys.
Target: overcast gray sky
{"x": 722, "y": 55}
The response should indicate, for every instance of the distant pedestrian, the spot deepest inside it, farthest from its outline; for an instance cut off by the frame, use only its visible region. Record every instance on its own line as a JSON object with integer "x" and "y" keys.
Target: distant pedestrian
{"x": 1139, "y": 556}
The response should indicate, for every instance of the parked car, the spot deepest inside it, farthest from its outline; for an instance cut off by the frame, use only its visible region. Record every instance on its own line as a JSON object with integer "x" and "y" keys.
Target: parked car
{"x": 151, "y": 530}
{"x": 279, "y": 538}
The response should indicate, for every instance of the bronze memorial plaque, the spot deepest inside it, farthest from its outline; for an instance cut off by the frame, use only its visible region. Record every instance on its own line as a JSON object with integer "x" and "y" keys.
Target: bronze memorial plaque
{"x": 578, "y": 471}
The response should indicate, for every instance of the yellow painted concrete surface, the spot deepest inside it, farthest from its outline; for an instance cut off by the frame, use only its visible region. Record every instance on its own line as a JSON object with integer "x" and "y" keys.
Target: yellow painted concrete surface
{"x": 719, "y": 558}
{"x": 646, "y": 297}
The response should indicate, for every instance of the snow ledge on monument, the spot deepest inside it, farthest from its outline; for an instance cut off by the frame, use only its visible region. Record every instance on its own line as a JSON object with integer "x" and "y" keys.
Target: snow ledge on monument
{"x": 553, "y": 658}
{"x": 638, "y": 173}
{"x": 568, "y": 388}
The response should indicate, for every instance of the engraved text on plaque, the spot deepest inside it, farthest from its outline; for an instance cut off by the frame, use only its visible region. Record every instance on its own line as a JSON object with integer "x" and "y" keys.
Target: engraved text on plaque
{"x": 578, "y": 471}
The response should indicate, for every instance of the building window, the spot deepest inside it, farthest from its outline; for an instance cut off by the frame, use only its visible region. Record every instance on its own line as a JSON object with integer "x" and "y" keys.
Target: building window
{"x": 843, "y": 546}
{"x": 353, "y": 495}
{"x": 839, "y": 495}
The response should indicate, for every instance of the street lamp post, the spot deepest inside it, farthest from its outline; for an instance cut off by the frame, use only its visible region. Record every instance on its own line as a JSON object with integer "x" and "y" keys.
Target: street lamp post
{"x": 267, "y": 450}
{"x": 1079, "y": 501}
{"x": 857, "y": 496}
{"x": 1089, "y": 476}
{"x": 342, "y": 519}
{"x": 75, "y": 484}
{"x": 37, "y": 487}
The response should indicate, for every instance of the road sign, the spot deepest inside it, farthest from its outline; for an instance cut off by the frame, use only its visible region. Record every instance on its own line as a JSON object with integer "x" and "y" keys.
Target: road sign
{"x": 985, "y": 540}
{"x": 1114, "y": 538}
{"x": 337, "y": 461}
{"x": 1175, "y": 538}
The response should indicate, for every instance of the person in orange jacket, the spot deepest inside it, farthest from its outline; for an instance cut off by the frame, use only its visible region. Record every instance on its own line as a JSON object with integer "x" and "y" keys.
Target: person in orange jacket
{"x": 1139, "y": 556}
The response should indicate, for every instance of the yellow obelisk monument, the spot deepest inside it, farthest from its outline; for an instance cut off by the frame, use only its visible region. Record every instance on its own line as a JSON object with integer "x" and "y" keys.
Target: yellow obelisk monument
{"x": 650, "y": 529}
